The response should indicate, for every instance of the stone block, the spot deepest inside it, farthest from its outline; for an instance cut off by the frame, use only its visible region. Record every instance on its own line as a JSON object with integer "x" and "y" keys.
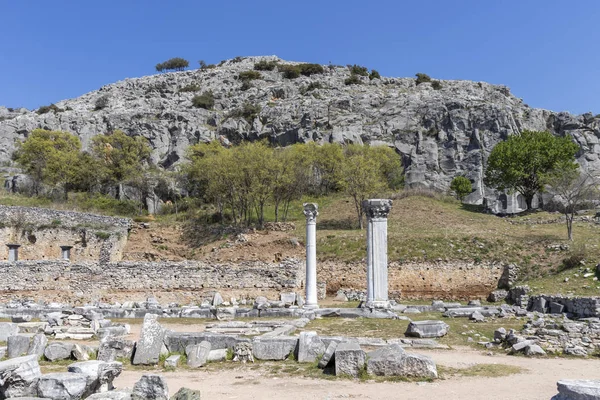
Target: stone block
{"x": 173, "y": 361}
{"x": 150, "y": 387}
{"x": 62, "y": 385}
{"x": 116, "y": 348}
{"x": 539, "y": 305}
{"x": 497, "y": 296}
{"x": 197, "y": 354}
{"x": 7, "y": 329}
{"x": 273, "y": 348}
{"x": 82, "y": 352}
{"x": 20, "y": 318}
{"x": 147, "y": 349}
{"x": 17, "y": 345}
{"x": 19, "y": 377}
{"x": 177, "y": 342}
{"x": 288, "y": 298}
{"x": 112, "y": 331}
{"x": 418, "y": 366}
{"x": 534, "y": 350}
{"x": 58, "y": 351}
{"x": 386, "y": 361}
{"x": 556, "y": 308}
{"x": 349, "y": 359}
{"x": 217, "y": 355}
{"x": 329, "y": 355}
{"x": 521, "y": 346}
{"x": 112, "y": 395}
{"x": 310, "y": 346}
{"x": 578, "y": 389}
{"x": 186, "y": 394}
{"x": 38, "y": 345}
{"x": 427, "y": 329}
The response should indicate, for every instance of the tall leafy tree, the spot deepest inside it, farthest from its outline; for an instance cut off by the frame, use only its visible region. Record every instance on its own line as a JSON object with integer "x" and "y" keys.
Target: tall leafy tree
{"x": 522, "y": 162}
{"x": 122, "y": 158}
{"x": 50, "y": 157}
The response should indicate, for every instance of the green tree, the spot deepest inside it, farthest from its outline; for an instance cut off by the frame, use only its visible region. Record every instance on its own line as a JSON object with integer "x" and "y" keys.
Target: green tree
{"x": 362, "y": 176}
{"x": 173, "y": 64}
{"x": 522, "y": 162}
{"x": 572, "y": 189}
{"x": 121, "y": 157}
{"x": 50, "y": 157}
{"x": 461, "y": 186}
{"x": 422, "y": 78}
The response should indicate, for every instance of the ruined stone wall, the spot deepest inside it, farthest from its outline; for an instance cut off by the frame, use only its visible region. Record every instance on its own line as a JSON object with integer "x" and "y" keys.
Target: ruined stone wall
{"x": 442, "y": 280}
{"x": 582, "y": 307}
{"x": 182, "y": 282}
{"x": 41, "y": 232}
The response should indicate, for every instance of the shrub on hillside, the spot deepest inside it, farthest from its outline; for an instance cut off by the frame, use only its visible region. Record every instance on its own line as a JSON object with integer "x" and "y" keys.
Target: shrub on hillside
{"x": 248, "y": 111}
{"x": 311, "y": 86}
{"x": 353, "y": 80}
{"x": 422, "y": 78}
{"x": 310, "y": 69}
{"x": 205, "y": 100}
{"x": 374, "y": 75}
{"x": 264, "y": 65}
{"x": 574, "y": 259}
{"x": 101, "y": 103}
{"x": 192, "y": 87}
{"x": 249, "y": 75}
{"x": 289, "y": 71}
{"x": 437, "y": 85}
{"x": 174, "y": 64}
{"x": 47, "y": 109}
{"x": 461, "y": 186}
{"x": 358, "y": 70}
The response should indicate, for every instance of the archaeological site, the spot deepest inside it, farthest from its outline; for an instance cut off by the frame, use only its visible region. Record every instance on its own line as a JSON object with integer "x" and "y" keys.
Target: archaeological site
{"x": 261, "y": 228}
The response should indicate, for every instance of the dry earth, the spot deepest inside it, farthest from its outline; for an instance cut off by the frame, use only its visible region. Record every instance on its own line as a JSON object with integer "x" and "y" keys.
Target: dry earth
{"x": 536, "y": 382}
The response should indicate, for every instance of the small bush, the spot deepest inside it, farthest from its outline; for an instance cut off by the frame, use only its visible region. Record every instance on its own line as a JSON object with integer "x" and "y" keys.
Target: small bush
{"x": 310, "y": 69}
{"x": 205, "y": 100}
{"x": 237, "y": 59}
{"x": 192, "y": 87}
{"x": 421, "y": 78}
{"x": 437, "y": 85}
{"x": 245, "y": 86}
{"x": 264, "y": 65}
{"x": 461, "y": 186}
{"x": 353, "y": 80}
{"x": 311, "y": 86}
{"x": 358, "y": 70}
{"x": 47, "y": 109}
{"x": 249, "y": 112}
{"x": 289, "y": 71}
{"x": 101, "y": 103}
{"x": 374, "y": 75}
{"x": 102, "y": 235}
{"x": 247, "y": 76}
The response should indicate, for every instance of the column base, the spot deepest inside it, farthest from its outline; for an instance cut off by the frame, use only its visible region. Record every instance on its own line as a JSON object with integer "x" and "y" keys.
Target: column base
{"x": 378, "y": 304}
{"x": 310, "y": 306}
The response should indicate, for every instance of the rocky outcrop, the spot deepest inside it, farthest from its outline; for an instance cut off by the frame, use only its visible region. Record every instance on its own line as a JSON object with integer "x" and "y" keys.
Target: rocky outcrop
{"x": 438, "y": 133}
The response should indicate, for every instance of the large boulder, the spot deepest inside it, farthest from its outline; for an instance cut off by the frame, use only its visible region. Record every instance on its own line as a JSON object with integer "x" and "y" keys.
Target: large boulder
{"x": 392, "y": 360}
{"x": 197, "y": 354}
{"x": 7, "y": 329}
{"x": 273, "y": 348}
{"x": 572, "y": 389}
{"x": 310, "y": 346}
{"x": 147, "y": 349}
{"x": 349, "y": 359}
{"x": 114, "y": 349}
{"x": 38, "y": 345}
{"x": 427, "y": 329}
{"x": 19, "y": 376}
{"x": 58, "y": 351}
{"x": 186, "y": 394}
{"x": 150, "y": 387}
{"x": 17, "y": 345}
{"x": 63, "y": 386}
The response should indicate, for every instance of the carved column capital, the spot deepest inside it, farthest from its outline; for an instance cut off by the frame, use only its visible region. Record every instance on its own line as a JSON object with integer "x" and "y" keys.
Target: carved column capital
{"x": 311, "y": 210}
{"x": 377, "y": 208}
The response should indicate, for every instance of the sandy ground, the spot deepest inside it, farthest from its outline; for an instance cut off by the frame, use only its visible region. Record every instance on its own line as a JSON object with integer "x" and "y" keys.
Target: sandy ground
{"x": 538, "y": 381}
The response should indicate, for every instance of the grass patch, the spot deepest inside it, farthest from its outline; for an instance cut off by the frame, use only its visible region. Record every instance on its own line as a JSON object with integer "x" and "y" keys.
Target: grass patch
{"x": 480, "y": 370}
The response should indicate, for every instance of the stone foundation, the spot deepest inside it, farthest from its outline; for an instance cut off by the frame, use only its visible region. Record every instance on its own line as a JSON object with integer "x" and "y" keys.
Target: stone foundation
{"x": 134, "y": 281}
{"x": 443, "y": 280}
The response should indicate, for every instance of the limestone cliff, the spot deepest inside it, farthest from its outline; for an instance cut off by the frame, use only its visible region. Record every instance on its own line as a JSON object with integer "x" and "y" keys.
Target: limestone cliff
{"x": 438, "y": 133}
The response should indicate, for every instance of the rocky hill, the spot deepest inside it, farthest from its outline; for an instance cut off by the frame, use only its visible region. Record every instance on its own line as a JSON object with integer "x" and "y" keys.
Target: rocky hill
{"x": 438, "y": 131}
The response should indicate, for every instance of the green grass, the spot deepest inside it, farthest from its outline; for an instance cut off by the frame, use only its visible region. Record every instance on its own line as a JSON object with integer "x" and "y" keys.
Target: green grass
{"x": 392, "y": 329}
{"x": 480, "y": 370}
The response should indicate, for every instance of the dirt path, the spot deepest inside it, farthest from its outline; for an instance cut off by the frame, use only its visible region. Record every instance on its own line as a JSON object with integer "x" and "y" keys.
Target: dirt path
{"x": 537, "y": 382}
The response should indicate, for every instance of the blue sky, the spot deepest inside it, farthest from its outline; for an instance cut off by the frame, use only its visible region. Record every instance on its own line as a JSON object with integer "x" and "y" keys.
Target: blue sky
{"x": 546, "y": 51}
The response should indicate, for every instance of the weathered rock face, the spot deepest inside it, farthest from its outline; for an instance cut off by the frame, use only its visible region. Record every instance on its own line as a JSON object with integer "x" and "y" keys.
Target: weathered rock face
{"x": 438, "y": 133}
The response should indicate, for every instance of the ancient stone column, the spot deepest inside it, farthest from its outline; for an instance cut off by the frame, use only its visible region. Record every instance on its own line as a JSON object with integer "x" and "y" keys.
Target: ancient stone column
{"x": 377, "y": 211}
{"x": 65, "y": 252}
{"x": 13, "y": 252}
{"x": 311, "y": 212}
